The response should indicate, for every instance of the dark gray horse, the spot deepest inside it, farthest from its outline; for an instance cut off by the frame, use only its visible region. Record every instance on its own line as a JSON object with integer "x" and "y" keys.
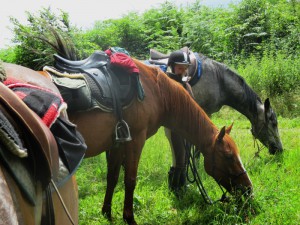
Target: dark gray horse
{"x": 215, "y": 85}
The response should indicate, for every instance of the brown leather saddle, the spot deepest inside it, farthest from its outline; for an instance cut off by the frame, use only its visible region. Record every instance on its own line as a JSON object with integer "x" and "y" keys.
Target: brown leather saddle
{"x": 194, "y": 71}
{"x": 43, "y": 157}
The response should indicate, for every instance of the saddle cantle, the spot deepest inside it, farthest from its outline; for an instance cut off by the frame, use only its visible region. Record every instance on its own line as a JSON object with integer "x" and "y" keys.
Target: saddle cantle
{"x": 96, "y": 60}
{"x": 155, "y": 55}
{"x": 44, "y": 151}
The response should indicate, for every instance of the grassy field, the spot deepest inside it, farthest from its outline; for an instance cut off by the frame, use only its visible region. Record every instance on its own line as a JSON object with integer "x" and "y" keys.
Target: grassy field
{"x": 275, "y": 179}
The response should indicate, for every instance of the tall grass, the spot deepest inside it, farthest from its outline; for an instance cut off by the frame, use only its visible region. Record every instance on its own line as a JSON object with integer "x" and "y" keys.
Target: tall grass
{"x": 275, "y": 75}
{"x": 275, "y": 179}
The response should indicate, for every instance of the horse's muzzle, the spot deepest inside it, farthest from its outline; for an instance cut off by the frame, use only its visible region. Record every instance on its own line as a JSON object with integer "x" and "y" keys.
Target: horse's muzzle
{"x": 243, "y": 191}
{"x": 273, "y": 148}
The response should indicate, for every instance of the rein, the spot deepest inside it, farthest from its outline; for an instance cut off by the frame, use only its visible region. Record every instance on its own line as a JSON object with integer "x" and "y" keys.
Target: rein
{"x": 255, "y": 139}
{"x": 62, "y": 202}
{"x": 191, "y": 155}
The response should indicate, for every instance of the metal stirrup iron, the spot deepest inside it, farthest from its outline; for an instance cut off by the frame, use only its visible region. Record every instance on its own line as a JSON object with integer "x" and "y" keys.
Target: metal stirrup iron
{"x": 122, "y": 132}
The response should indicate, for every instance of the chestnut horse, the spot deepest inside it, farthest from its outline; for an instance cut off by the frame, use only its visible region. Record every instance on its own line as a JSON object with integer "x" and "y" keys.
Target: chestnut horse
{"x": 30, "y": 193}
{"x": 167, "y": 104}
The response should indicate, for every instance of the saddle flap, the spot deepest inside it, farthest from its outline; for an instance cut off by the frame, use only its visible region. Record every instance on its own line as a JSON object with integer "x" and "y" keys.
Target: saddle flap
{"x": 46, "y": 151}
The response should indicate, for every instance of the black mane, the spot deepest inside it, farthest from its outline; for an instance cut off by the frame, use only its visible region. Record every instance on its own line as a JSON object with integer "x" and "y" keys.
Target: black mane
{"x": 249, "y": 95}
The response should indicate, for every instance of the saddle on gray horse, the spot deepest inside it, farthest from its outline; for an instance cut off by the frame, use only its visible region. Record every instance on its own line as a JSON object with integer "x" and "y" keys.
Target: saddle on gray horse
{"x": 161, "y": 60}
{"x": 108, "y": 87}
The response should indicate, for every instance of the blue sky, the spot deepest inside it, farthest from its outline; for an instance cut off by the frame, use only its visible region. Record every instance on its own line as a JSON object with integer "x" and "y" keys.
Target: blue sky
{"x": 83, "y": 13}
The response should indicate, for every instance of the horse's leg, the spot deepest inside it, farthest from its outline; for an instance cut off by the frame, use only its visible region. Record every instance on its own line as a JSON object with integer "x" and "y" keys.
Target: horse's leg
{"x": 114, "y": 159}
{"x": 176, "y": 176}
{"x": 132, "y": 156}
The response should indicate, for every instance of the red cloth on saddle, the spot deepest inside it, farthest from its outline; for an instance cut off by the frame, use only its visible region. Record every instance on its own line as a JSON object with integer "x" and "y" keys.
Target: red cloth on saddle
{"x": 122, "y": 60}
{"x": 45, "y": 103}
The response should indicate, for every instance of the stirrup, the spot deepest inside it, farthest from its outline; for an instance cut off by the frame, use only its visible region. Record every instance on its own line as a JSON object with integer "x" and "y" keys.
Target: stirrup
{"x": 122, "y": 132}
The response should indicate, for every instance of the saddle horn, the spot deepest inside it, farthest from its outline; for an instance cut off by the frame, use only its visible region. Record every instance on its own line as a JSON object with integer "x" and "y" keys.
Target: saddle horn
{"x": 122, "y": 132}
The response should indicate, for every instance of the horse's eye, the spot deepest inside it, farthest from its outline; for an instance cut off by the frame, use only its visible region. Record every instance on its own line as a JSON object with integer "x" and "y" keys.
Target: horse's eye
{"x": 229, "y": 156}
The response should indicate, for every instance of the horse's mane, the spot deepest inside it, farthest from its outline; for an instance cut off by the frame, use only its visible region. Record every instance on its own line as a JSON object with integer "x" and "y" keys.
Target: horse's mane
{"x": 177, "y": 101}
{"x": 249, "y": 95}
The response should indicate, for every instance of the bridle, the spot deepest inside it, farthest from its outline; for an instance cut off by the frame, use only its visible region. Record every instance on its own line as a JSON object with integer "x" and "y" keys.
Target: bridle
{"x": 255, "y": 135}
{"x": 191, "y": 155}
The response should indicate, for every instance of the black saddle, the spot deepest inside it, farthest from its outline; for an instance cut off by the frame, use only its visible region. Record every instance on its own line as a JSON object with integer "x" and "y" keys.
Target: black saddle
{"x": 112, "y": 88}
{"x": 96, "y": 60}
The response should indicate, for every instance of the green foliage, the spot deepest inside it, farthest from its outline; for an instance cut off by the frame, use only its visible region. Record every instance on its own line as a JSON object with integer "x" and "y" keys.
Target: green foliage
{"x": 126, "y": 32}
{"x": 205, "y": 30}
{"x": 276, "y": 76}
{"x": 35, "y": 42}
{"x": 8, "y": 55}
{"x": 163, "y": 27}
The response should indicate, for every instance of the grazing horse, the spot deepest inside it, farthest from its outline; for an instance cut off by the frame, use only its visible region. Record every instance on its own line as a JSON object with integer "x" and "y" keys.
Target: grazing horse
{"x": 215, "y": 85}
{"x": 28, "y": 188}
{"x": 167, "y": 104}
{"x": 219, "y": 85}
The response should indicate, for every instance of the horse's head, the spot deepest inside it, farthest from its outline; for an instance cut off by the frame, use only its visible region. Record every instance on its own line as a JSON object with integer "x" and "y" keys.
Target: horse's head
{"x": 266, "y": 129}
{"x": 223, "y": 163}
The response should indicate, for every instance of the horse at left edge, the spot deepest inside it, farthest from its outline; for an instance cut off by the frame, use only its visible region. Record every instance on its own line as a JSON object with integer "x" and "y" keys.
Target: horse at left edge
{"x": 29, "y": 167}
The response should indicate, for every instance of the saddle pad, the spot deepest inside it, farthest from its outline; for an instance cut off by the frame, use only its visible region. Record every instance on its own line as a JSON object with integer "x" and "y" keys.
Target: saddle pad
{"x": 46, "y": 104}
{"x": 10, "y": 138}
{"x": 73, "y": 89}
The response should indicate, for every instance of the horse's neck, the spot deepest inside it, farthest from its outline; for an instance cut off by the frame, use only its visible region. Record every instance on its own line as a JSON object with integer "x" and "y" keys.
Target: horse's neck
{"x": 240, "y": 96}
{"x": 185, "y": 117}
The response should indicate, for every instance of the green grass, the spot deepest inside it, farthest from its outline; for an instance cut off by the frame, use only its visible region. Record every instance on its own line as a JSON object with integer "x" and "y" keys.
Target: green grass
{"x": 275, "y": 180}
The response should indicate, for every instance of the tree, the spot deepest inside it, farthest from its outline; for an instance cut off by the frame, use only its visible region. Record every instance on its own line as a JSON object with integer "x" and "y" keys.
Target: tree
{"x": 163, "y": 27}
{"x": 36, "y": 41}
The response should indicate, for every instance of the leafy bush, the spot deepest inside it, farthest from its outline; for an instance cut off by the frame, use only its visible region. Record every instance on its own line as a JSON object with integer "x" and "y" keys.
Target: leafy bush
{"x": 276, "y": 76}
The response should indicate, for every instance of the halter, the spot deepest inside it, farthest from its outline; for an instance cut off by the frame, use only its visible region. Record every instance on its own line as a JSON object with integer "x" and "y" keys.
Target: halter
{"x": 190, "y": 157}
{"x": 255, "y": 138}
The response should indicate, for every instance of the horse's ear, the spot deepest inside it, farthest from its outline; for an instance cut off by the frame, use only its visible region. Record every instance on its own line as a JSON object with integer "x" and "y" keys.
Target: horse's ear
{"x": 221, "y": 134}
{"x": 268, "y": 109}
{"x": 228, "y": 129}
{"x": 267, "y": 104}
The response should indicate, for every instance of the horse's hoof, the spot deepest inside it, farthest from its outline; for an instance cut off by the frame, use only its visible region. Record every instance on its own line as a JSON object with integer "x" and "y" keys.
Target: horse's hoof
{"x": 106, "y": 212}
{"x": 130, "y": 221}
